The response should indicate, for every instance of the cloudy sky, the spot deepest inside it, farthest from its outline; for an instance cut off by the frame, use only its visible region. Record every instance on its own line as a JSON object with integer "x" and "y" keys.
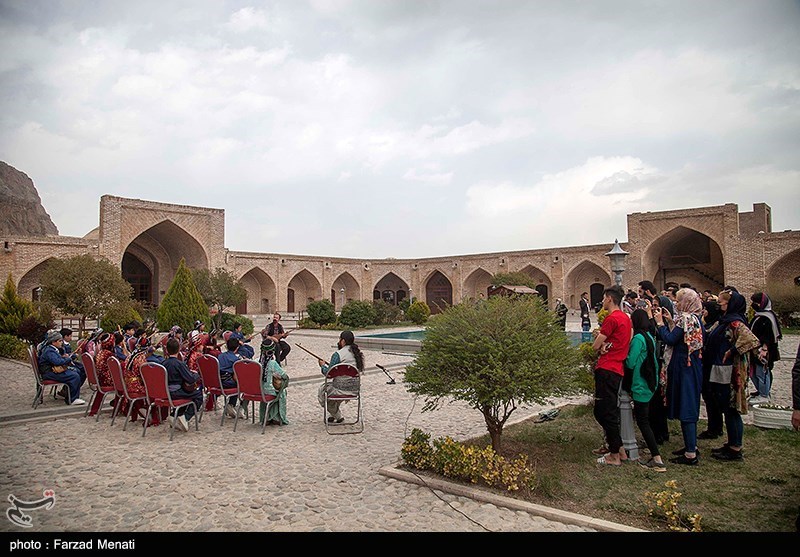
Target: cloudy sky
{"x": 405, "y": 128}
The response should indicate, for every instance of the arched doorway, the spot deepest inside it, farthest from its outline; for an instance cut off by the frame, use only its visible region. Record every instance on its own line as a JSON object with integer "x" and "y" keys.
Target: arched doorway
{"x": 438, "y": 292}
{"x": 596, "y": 294}
{"x": 261, "y": 292}
{"x": 476, "y": 286}
{"x": 391, "y": 289}
{"x": 684, "y": 255}
{"x": 586, "y": 276}
{"x": 305, "y": 288}
{"x": 158, "y": 251}
{"x": 32, "y": 280}
{"x": 543, "y": 283}
{"x": 140, "y": 277}
{"x": 344, "y": 289}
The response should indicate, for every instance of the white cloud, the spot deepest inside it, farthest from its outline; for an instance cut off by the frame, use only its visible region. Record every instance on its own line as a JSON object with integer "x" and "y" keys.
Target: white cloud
{"x": 247, "y": 19}
{"x": 435, "y": 178}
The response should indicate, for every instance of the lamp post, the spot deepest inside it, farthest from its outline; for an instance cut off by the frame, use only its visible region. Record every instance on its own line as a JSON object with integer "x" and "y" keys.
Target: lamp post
{"x": 617, "y": 257}
{"x": 342, "y": 292}
{"x": 38, "y": 292}
{"x": 410, "y": 299}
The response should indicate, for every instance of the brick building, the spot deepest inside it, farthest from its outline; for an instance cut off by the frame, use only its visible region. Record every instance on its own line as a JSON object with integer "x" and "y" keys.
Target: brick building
{"x": 707, "y": 247}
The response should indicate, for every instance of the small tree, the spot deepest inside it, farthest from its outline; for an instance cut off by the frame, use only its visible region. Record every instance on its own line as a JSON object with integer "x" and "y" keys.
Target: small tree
{"x": 418, "y": 312}
{"x": 495, "y": 355}
{"x": 386, "y": 313}
{"x": 517, "y": 278}
{"x": 84, "y": 286}
{"x": 182, "y": 304}
{"x": 357, "y": 314}
{"x": 13, "y": 309}
{"x": 321, "y": 311}
{"x": 220, "y": 289}
{"x": 119, "y": 315}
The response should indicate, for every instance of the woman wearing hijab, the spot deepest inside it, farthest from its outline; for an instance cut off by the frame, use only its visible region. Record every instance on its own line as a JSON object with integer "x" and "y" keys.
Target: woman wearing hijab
{"x": 766, "y": 327}
{"x": 658, "y": 404}
{"x": 105, "y": 349}
{"x": 711, "y": 315}
{"x": 270, "y": 370}
{"x": 684, "y": 369}
{"x": 726, "y": 354}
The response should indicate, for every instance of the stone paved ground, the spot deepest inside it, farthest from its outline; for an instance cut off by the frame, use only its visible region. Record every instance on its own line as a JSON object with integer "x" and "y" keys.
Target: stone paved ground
{"x": 292, "y": 478}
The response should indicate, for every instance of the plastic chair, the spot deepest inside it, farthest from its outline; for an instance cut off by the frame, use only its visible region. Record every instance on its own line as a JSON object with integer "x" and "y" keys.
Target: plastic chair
{"x": 115, "y": 367}
{"x": 94, "y": 384}
{"x": 250, "y": 389}
{"x": 33, "y": 357}
{"x": 155, "y": 383}
{"x": 342, "y": 370}
{"x": 212, "y": 380}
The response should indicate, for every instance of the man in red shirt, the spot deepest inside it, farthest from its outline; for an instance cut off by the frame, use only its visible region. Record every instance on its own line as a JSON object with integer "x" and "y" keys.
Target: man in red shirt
{"x": 612, "y": 343}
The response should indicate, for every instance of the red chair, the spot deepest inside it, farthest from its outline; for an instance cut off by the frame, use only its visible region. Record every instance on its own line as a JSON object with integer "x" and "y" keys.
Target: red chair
{"x": 33, "y": 357}
{"x": 248, "y": 381}
{"x": 115, "y": 367}
{"x": 342, "y": 370}
{"x": 94, "y": 384}
{"x": 212, "y": 380}
{"x": 226, "y": 335}
{"x": 155, "y": 383}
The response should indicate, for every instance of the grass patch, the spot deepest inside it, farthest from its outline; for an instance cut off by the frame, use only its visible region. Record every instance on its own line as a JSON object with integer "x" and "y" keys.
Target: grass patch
{"x": 760, "y": 494}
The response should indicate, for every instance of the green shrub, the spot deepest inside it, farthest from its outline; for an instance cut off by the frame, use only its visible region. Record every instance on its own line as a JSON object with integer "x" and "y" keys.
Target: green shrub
{"x": 331, "y": 326}
{"x": 357, "y": 314}
{"x": 182, "y": 305}
{"x": 119, "y": 314}
{"x": 416, "y": 450}
{"x": 307, "y": 323}
{"x": 229, "y": 321}
{"x": 12, "y": 347}
{"x": 321, "y": 311}
{"x": 418, "y": 312}
{"x": 386, "y": 313}
{"x": 13, "y": 309}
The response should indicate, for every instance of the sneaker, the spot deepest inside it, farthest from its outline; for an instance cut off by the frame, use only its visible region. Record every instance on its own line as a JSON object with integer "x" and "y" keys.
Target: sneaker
{"x": 758, "y": 400}
{"x": 339, "y": 420}
{"x": 170, "y": 421}
{"x": 230, "y": 411}
{"x": 242, "y": 413}
{"x": 721, "y": 449}
{"x": 653, "y": 465}
{"x": 682, "y": 451}
{"x": 63, "y": 393}
{"x": 78, "y": 402}
{"x": 183, "y": 424}
{"x": 709, "y": 435}
{"x": 683, "y": 460}
{"x": 330, "y": 419}
{"x": 728, "y": 454}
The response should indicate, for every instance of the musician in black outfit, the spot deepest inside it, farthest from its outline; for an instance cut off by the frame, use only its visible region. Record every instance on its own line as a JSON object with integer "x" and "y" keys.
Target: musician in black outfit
{"x": 278, "y": 334}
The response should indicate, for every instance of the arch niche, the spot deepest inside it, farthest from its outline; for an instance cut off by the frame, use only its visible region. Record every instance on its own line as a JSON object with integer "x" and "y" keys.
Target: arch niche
{"x": 303, "y": 288}
{"x": 151, "y": 260}
{"x": 684, "y": 255}
{"x": 352, "y": 291}
{"x": 543, "y": 283}
{"x": 476, "y": 285}
{"x": 32, "y": 280}
{"x": 586, "y": 276}
{"x": 438, "y": 292}
{"x": 785, "y": 271}
{"x": 261, "y": 292}
{"x": 391, "y": 289}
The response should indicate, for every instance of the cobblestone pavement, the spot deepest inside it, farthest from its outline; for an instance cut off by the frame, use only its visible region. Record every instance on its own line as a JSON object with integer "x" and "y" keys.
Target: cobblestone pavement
{"x": 292, "y": 478}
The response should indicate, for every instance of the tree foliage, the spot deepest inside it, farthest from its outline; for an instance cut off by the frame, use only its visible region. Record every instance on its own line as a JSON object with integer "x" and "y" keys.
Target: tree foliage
{"x": 84, "y": 286}
{"x": 321, "y": 312}
{"x": 120, "y": 314}
{"x": 182, "y": 304}
{"x": 418, "y": 312}
{"x": 517, "y": 278}
{"x": 13, "y": 309}
{"x": 495, "y": 355}
{"x": 357, "y": 314}
{"x": 220, "y": 289}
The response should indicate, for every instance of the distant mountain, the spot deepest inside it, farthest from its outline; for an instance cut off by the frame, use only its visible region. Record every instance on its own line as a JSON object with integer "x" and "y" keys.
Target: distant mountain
{"x": 21, "y": 210}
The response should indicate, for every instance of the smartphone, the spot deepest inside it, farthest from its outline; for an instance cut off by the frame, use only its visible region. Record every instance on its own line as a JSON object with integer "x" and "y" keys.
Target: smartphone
{"x": 641, "y": 304}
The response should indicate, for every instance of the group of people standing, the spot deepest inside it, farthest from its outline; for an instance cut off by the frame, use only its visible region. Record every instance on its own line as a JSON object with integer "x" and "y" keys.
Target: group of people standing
{"x": 674, "y": 351}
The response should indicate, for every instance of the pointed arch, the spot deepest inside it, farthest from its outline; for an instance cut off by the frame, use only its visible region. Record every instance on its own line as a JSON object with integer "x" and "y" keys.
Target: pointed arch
{"x": 262, "y": 294}
{"x": 786, "y": 270}
{"x": 543, "y": 283}
{"x": 304, "y": 288}
{"x": 585, "y": 277}
{"x": 438, "y": 292}
{"x": 476, "y": 285}
{"x": 343, "y": 289}
{"x": 684, "y": 255}
{"x": 159, "y": 249}
{"x": 32, "y": 279}
{"x": 390, "y": 288}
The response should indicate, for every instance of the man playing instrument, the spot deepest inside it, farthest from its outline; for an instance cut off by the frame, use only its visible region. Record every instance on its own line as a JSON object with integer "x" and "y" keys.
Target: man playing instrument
{"x": 276, "y": 331}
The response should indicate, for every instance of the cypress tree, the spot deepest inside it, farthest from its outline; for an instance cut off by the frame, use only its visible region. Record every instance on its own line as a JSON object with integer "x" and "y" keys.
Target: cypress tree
{"x": 182, "y": 304}
{"x": 13, "y": 309}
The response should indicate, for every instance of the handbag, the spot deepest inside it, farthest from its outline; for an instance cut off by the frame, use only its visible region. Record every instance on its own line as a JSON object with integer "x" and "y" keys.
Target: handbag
{"x": 59, "y": 369}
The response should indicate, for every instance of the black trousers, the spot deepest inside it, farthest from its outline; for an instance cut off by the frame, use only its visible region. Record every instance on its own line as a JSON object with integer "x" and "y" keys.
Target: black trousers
{"x": 641, "y": 410}
{"x": 283, "y": 350}
{"x": 606, "y": 406}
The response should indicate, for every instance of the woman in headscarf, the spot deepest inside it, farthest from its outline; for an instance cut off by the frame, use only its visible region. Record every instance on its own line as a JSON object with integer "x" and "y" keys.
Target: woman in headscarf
{"x": 104, "y": 351}
{"x": 134, "y": 383}
{"x": 766, "y": 327}
{"x": 711, "y": 315}
{"x": 684, "y": 370}
{"x": 348, "y": 353}
{"x": 658, "y": 404}
{"x": 726, "y": 353}
{"x": 271, "y": 370}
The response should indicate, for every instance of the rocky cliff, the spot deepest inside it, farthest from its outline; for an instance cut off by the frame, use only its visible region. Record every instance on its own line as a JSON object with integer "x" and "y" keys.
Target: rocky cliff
{"x": 21, "y": 210}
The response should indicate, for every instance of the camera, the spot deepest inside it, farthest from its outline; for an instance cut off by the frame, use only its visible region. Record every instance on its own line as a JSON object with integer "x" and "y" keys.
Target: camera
{"x": 641, "y": 304}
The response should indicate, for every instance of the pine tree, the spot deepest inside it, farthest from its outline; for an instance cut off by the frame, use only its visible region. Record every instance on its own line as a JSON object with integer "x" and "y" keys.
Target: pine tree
{"x": 182, "y": 304}
{"x": 13, "y": 309}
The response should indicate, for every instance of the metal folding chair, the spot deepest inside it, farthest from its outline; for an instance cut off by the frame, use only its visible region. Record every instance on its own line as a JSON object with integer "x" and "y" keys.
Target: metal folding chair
{"x": 115, "y": 368}
{"x": 155, "y": 383}
{"x": 342, "y": 370}
{"x": 94, "y": 384}
{"x": 33, "y": 357}
{"x": 212, "y": 381}
{"x": 250, "y": 389}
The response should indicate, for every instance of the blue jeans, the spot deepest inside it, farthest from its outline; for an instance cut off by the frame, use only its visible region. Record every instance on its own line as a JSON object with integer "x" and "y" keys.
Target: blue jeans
{"x": 73, "y": 378}
{"x": 762, "y": 379}
{"x": 689, "y": 431}
{"x": 585, "y": 326}
{"x": 230, "y": 383}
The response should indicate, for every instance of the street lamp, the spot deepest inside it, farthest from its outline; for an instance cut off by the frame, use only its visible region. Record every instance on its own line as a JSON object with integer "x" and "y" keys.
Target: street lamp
{"x": 617, "y": 257}
{"x": 342, "y": 292}
{"x": 38, "y": 292}
{"x": 410, "y": 299}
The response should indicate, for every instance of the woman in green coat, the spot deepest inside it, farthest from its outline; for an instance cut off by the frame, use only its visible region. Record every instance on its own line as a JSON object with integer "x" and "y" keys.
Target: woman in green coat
{"x": 271, "y": 369}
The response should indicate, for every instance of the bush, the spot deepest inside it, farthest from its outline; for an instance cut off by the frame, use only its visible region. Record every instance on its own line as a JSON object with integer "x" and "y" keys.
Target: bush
{"x": 307, "y": 323}
{"x": 229, "y": 321}
{"x": 386, "y": 313}
{"x": 321, "y": 311}
{"x": 13, "y": 309}
{"x": 12, "y": 347}
{"x": 357, "y": 314}
{"x": 32, "y": 330}
{"x": 418, "y": 312}
{"x": 118, "y": 315}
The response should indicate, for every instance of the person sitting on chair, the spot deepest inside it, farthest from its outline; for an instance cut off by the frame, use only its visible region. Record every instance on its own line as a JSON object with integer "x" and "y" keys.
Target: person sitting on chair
{"x": 270, "y": 369}
{"x": 55, "y": 367}
{"x": 226, "y": 361}
{"x": 350, "y": 354}
{"x": 179, "y": 377}
{"x": 245, "y": 350}
{"x": 278, "y": 334}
